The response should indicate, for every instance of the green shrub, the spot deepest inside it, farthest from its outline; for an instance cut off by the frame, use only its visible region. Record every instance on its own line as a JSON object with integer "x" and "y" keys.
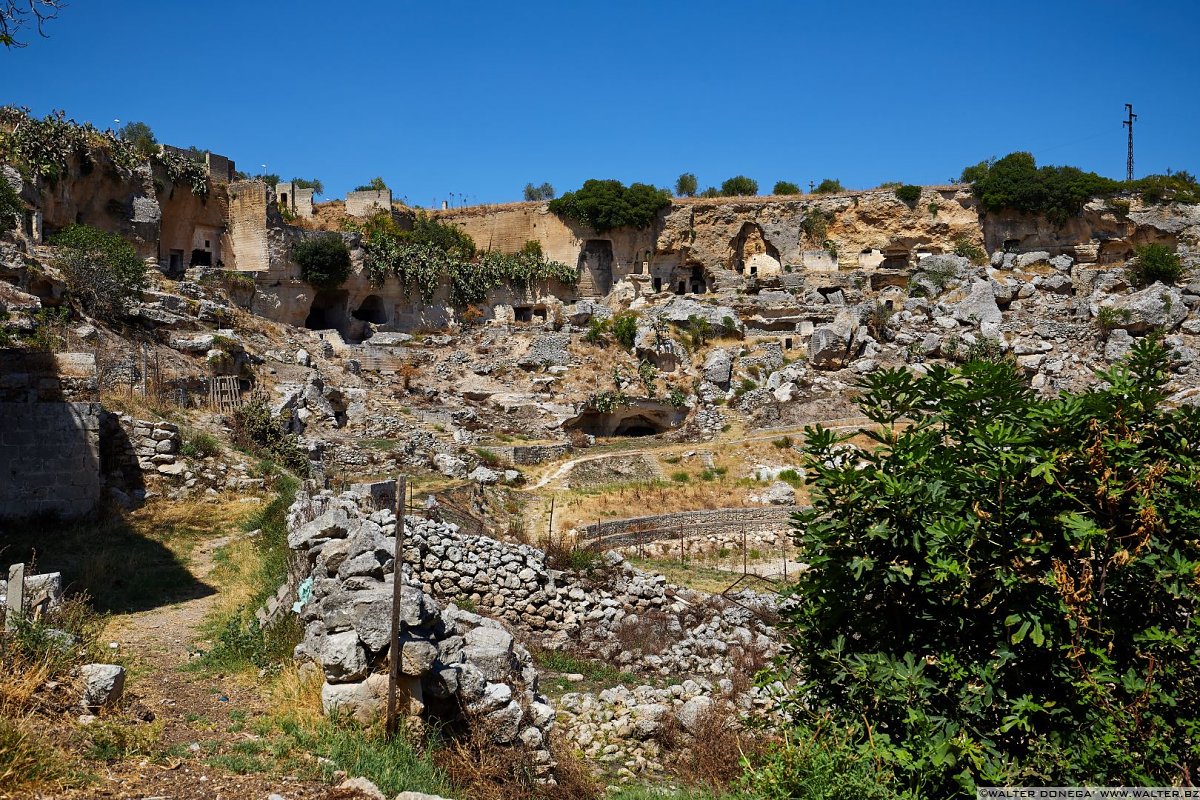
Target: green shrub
{"x": 624, "y": 328}
{"x": 104, "y": 272}
{"x": 711, "y": 192}
{"x": 309, "y": 183}
{"x": 444, "y": 236}
{"x": 792, "y": 477}
{"x": 11, "y": 206}
{"x": 597, "y": 330}
{"x": 1154, "y": 262}
{"x": 908, "y": 194}
{"x": 200, "y": 445}
{"x": 264, "y": 435}
{"x": 819, "y": 765}
{"x": 739, "y": 186}
{"x": 1003, "y": 591}
{"x": 785, "y": 188}
{"x": 606, "y": 204}
{"x": 532, "y": 247}
{"x": 815, "y": 224}
{"x": 376, "y": 185}
{"x": 324, "y": 260}
{"x": 680, "y": 477}
{"x": 1179, "y": 187}
{"x": 1108, "y": 319}
{"x": 685, "y": 185}
{"x": 782, "y": 443}
{"x": 1016, "y": 182}
{"x": 829, "y": 186}
{"x": 965, "y": 248}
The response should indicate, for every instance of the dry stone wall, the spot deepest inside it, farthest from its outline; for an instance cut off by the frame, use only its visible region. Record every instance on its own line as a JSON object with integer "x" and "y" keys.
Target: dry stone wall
{"x": 49, "y": 442}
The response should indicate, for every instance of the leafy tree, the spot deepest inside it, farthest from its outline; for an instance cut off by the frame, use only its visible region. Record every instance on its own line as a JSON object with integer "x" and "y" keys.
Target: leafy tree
{"x": 739, "y": 186}
{"x": 973, "y": 173}
{"x": 376, "y": 185}
{"x": 16, "y": 14}
{"x": 908, "y": 194}
{"x": 829, "y": 186}
{"x": 606, "y": 204}
{"x": 685, "y": 185}
{"x": 324, "y": 260}
{"x": 103, "y": 270}
{"x": 1003, "y": 591}
{"x": 711, "y": 191}
{"x": 543, "y": 192}
{"x": 140, "y": 136}
{"x": 308, "y": 183}
{"x": 785, "y": 188}
{"x": 1154, "y": 262}
{"x": 1016, "y": 182}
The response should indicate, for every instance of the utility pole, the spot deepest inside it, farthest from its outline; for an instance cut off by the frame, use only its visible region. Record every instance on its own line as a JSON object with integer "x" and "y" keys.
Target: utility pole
{"x": 1129, "y": 158}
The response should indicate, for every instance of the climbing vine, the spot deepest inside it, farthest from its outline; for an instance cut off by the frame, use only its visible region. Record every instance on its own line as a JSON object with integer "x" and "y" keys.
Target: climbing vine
{"x": 423, "y": 266}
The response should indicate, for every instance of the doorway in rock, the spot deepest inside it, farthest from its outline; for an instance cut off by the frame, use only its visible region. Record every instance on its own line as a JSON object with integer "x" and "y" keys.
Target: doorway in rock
{"x": 372, "y": 310}
{"x": 328, "y": 311}
{"x": 595, "y": 264}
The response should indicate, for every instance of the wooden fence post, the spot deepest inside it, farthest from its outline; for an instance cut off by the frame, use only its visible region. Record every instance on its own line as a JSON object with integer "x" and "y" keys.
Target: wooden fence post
{"x": 401, "y": 504}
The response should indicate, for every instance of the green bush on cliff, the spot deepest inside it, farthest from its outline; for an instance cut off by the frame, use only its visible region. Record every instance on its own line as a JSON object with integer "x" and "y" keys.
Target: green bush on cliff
{"x": 103, "y": 270}
{"x": 1016, "y": 183}
{"x": 606, "y": 204}
{"x": 324, "y": 260}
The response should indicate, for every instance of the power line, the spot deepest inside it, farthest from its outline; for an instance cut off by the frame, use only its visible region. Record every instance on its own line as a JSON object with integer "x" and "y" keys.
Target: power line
{"x": 1129, "y": 158}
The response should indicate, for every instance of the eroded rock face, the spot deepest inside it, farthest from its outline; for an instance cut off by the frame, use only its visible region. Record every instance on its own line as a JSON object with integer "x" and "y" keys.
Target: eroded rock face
{"x": 1157, "y": 307}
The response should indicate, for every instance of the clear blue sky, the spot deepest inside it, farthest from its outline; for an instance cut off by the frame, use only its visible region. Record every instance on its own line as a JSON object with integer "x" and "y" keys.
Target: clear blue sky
{"x": 479, "y": 98}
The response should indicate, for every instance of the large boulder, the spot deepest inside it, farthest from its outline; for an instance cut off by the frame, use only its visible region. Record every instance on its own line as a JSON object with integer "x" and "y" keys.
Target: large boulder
{"x": 679, "y": 309}
{"x": 979, "y": 306}
{"x": 1157, "y": 307}
{"x": 829, "y": 347}
{"x": 718, "y": 367}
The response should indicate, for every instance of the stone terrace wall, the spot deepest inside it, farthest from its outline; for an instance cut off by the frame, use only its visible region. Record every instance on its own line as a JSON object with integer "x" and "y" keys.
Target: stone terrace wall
{"x": 49, "y": 445}
{"x": 627, "y": 531}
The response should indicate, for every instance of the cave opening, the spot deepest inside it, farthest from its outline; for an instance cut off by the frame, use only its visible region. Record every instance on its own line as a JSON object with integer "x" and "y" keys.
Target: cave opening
{"x": 328, "y": 310}
{"x": 371, "y": 310}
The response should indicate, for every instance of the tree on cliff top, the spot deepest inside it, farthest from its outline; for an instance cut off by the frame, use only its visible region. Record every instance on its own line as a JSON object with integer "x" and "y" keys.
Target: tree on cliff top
{"x": 140, "y": 136}
{"x": 543, "y": 192}
{"x": 785, "y": 188}
{"x": 829, "y": 186}
{"x": 739, "y": 186}
{"x": 1017, "y": 183}
{"x": 603, "y": 205}
{"x": 685, "y": 185}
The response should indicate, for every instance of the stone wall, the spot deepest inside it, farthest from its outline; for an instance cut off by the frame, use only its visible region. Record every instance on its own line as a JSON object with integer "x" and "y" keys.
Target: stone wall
{"x": 524, "y": 454}
{"x": 366, "y": 203}
{"x": 634, "y": 529}
{"x": 49, "y": 434}
{"x": 248, "y": 239}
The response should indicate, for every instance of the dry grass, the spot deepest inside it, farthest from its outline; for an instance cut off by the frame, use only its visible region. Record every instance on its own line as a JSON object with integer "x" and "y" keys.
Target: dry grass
{"x": 711, "y": 756}
{"x": 297, "y": 694}
{"x": 483, "y": 770}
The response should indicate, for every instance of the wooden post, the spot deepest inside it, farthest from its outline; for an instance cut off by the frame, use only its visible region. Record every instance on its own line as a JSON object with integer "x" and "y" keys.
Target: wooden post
{"x": 16, "y": 597}
{"x": 745, "y": 569}
{"x": 550, "y": 526}
{"x": 397, "y": 598}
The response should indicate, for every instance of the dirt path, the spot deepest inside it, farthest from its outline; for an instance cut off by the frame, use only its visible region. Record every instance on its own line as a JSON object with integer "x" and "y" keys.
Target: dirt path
{"x": 201, "y": 714}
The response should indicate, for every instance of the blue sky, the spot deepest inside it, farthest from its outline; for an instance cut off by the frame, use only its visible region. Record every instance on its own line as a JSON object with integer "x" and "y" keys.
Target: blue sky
{"x": 475, "y": 99}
